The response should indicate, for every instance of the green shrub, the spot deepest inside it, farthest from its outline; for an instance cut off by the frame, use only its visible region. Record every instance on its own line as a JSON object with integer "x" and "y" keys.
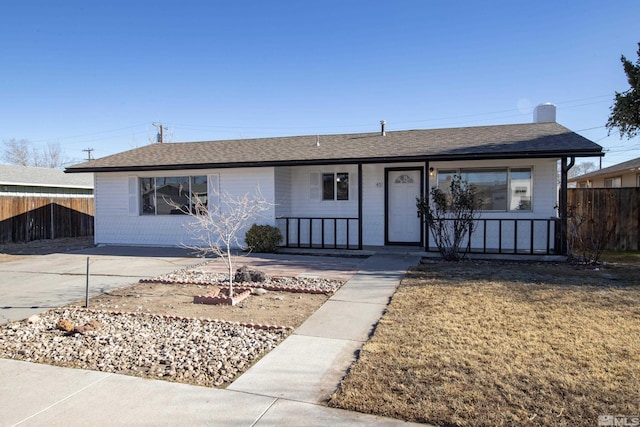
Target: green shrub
{"x": 263, "y": 238}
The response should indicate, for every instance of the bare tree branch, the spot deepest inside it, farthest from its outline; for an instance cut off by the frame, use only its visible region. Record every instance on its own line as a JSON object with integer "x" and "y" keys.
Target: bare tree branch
{"x": 22, "y": 153}
{"x": 17, "y": 152}
{"x": 217, "y": 229}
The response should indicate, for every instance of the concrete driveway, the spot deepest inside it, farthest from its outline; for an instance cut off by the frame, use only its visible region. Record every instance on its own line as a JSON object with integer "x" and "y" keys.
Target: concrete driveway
{"x": 36, "y": 283}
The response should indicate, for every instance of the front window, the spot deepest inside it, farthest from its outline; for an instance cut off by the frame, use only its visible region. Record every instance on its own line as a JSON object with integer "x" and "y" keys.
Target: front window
{"x": 520, "y": 185}
{"x": 172, "y": 195}
{"x": 500, "y": 189}
{"x": 491, "y": 187}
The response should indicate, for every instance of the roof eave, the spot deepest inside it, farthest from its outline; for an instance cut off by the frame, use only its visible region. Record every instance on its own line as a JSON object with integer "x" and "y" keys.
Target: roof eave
{"x": 387, "y": 159}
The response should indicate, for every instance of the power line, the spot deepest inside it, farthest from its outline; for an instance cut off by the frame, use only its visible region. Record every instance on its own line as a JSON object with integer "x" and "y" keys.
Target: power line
{"x": 91, "y": 133}
{"x": 457, "y": 120}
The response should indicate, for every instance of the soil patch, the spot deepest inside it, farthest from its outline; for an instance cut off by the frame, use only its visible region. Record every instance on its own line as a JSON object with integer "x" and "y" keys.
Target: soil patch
{"x": 272, "y": 308}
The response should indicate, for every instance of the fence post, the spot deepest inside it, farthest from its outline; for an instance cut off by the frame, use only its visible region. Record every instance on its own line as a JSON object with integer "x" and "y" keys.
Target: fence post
{"x": 86, "y": 292}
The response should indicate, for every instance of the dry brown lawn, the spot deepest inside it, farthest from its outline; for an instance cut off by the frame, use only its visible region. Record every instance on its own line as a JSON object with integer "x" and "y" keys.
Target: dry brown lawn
{"x": 489, "y": 344}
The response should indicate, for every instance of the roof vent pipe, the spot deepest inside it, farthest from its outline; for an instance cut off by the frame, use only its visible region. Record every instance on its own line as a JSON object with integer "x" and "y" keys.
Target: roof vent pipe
{"x": 382, "y": 123}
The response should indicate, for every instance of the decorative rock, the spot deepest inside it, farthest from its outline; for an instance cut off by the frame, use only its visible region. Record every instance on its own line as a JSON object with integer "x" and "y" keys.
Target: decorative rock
{"x": 209, "y": 353}
{"x": 243, "y": 274}
{"x": 258, "y": 291}
{"x": 65, "y": 325}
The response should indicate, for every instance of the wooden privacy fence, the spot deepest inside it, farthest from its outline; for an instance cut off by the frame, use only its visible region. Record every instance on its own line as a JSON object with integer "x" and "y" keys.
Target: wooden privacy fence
{"x": 618, "y": 207}
{"x": 27, "y": 218}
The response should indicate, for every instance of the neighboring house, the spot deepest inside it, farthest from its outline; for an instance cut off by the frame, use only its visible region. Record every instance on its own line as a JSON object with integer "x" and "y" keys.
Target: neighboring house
{"x": 44, "y": 203}
{"x": 625, "y": 174}
{"x": 25, "y": 180}
{"x": 349, "y": 190}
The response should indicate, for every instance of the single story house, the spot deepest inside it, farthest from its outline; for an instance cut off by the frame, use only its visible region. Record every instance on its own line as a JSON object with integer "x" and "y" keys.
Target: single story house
{"x": 350, "y": 190}
{"x": 625, "y": 174}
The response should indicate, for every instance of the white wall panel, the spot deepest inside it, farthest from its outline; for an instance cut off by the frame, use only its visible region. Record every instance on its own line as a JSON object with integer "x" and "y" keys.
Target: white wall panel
{"x": 114, "y": 224}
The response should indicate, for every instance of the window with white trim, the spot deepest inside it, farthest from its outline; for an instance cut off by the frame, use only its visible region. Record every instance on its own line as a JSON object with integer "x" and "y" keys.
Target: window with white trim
{"x": 171, "y": 195}
{"x": 500, "y": 189}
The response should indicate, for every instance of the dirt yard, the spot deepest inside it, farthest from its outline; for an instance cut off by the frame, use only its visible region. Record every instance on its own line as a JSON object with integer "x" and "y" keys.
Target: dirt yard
{"x": 273, "y": 308}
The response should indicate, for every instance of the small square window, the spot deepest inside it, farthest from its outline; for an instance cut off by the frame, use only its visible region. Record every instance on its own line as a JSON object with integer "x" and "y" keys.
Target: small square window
{"x": 335, "y": 186}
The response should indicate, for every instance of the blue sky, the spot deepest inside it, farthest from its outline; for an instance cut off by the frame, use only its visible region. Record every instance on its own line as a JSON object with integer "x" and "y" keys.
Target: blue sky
{"x": 97, "y": 74}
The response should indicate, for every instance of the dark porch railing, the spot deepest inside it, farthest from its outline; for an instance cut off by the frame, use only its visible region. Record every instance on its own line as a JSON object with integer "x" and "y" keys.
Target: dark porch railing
{"x": 515, "y": 236}
{"x": 324, "y": 233}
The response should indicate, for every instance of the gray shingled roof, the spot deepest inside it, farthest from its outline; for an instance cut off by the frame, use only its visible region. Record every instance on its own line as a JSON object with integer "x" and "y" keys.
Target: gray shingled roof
{"x": 611, "y": 170}
{"x": 43, "y": 177}
{"x": 482, "y": 142}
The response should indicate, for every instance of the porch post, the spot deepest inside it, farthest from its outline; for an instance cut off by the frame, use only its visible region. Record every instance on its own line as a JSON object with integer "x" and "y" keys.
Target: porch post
{"x": 359, "y": 206}
{"x": 427, "y": 175}
{"x": 564, "y": 170}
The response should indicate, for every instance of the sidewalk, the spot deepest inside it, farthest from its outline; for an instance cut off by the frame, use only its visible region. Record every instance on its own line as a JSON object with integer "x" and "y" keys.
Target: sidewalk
{"x": 289, "y": 386}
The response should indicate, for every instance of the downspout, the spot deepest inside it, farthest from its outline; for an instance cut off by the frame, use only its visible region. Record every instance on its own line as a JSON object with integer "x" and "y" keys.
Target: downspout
{"x": 564, "y": 170}
{"x": 359, "y": 206}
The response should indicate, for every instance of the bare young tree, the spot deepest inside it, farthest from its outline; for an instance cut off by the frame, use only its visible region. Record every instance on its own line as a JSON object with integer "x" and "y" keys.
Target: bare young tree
{"x": 215, "y": 230}
{"x": 21, "y": 152}
{"x": 589, "y": 233}
{"x": 451, "y": 216}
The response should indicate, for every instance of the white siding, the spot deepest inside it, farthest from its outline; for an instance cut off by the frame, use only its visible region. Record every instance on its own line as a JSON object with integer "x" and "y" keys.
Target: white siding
{"x": 305, "y": 201}
{"x": 115, "y": 225}
{"x": 303, "y": 206}
{"x": 282, "y": 185}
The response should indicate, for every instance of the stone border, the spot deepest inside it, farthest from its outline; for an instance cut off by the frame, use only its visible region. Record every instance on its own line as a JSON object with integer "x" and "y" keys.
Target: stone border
{"x": 265, "y": 327}
{"x": 269, "y": 287}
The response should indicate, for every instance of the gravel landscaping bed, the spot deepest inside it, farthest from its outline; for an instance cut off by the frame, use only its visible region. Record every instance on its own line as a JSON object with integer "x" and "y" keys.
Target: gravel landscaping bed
{"x": 197, "y": 275}
{"x": 194, "y": 351}
{"x": 168, "y": 340}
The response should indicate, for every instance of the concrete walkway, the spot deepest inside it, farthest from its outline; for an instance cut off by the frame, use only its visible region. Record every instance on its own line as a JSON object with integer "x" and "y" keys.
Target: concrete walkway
{"x": 289, "y": 386}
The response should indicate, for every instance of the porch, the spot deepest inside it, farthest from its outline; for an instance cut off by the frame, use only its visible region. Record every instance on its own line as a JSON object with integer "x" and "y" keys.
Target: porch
{"x": 492, "y": 237}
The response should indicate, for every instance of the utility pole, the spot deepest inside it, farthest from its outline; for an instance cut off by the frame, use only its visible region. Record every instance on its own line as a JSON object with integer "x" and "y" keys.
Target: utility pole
{"x": 88, "y": 150}
{"x": 161, "y": 129}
